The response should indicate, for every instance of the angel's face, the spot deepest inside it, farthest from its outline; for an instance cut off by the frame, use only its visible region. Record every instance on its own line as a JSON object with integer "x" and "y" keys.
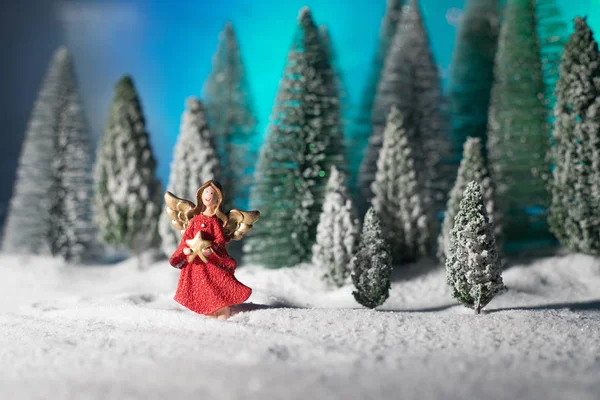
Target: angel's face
{"x": 209, "y": 197}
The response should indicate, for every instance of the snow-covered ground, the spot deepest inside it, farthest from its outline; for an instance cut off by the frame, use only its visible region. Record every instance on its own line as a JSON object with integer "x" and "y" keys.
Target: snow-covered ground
{"x": 114, "y": 332}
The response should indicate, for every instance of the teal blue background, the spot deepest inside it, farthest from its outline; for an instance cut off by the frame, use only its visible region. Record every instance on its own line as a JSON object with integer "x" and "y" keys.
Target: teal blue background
{"x": 167, "y": 47}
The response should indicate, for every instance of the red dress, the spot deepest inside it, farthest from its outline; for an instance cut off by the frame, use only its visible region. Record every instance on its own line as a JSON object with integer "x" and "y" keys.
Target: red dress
{"x": 207, "y": 287}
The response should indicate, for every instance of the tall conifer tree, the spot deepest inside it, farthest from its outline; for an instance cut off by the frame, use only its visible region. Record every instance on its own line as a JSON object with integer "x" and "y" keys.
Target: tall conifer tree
{"x": 231, "y": 117}
{"x": 472, "y": 72}
{"x": 518, "y": 133}
{"x": 337, "y": 232}
{"x": 362, "y": 127}
{"x": 50, "y": 208}
{"x": 410, "y": 81}
{"x": 473, "y": 268}
{"x": 397, "y": 195}
{"x": 195, "y": 161}
{"x": 472, "y": 168}
{"x": 300, "y": 148}
{"x": 128, "y": 196}
{"x": 575, "y": 209}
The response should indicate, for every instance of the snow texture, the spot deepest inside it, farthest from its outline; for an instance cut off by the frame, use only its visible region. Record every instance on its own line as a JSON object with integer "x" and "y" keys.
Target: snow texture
{"x": 115, "y": 332}
{"x": 337, "y": 232}
{"x": 195, "y": 162}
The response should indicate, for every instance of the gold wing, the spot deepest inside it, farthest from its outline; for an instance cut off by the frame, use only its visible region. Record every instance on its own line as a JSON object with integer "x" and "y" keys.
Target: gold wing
{"x": 177, "y": 209}
{"x": 239, "y": 223}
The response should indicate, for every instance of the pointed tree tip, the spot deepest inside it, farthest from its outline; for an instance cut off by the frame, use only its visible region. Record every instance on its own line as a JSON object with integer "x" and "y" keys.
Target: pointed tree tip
{"x": 193, "y": 103}
{"x": 228, "y": 26}
{"x": 304, "y": 14}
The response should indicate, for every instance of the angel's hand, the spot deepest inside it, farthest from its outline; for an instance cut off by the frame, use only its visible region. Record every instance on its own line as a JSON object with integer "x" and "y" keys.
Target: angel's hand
{"x": 187, "y": 251}
{"x": 207, "y": 251}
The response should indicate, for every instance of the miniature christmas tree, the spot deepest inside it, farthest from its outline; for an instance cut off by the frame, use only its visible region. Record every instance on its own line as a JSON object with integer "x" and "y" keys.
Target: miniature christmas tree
{"x": 50, "y": 209}
{"x": 410, "y": 81}
{"x": 372, "y": 264}
{"x": 472, "y": 72}
{"x": 72, "y": 233}
{"x": 472, "y": 168}
{"x": 518, "y": 129}
{"x": 337, "y": 232}
{"x": 195, "y": 161}
{"x": 231, "y": 117}
{"x": 128, "y": 196}
{"x": 397, "y": 194}
{"x": 552, "y": 34}
{"x": 575, "y": 206}
{"x": 473, "y": 268}
{"x": 290, "y": 179}
{"x": 362, "y": 127}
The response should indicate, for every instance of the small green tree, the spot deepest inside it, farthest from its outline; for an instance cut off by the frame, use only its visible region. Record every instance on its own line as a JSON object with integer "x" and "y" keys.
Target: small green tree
{"x": 473, "y": 268}
{"x": 518, "y": 127}
{"x": 575, "y": 209}
{"x": 372, "y": 264}
{"x": 337, "y": 232}
{"x": 195, "y": 161}
{"x": 397, "y": 195}
{"x": 410, "y": 81}
{"x": 128, "y": 195}
{"x": 472, "y": 168}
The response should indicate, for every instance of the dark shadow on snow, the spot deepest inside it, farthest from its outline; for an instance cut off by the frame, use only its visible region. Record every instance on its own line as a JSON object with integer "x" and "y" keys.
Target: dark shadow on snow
{"x": 592, "y": 305}
{"x": 422, "y": 310}
{"x": 411, "y": 271}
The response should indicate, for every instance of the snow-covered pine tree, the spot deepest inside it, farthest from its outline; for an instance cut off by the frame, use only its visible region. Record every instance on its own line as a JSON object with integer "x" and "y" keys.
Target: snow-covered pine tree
{"x": 290, "y": 179}
{"x": 397, "y": 195}
{"x": 410, "y": 81}
{"x": 575, "y": 209}
{"x": 518, "y": 134}
{"x": 472, "y": 168}
{"x": 50, "y": 212}
{"x": 337, "y": 232}
{"x": 28, "y": 218}
{"x": 195, "y": 161}
{"x": 128, "y": 196}
{"x": 231, "y": 116}
{"x": 473, "y": 268}
{"x": 362, "y": 127}
{"x": 472, "y": 73}
{"x": 72, "y": 233}
{"x": 372, "y": 264}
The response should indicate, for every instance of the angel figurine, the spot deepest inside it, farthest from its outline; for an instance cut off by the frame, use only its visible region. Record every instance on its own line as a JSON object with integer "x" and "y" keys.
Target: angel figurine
{"x": 207, "y": 284}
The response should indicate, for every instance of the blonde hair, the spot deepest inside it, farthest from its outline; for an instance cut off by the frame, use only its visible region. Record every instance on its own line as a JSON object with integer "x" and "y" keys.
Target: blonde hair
{"x": 200, "y": 207}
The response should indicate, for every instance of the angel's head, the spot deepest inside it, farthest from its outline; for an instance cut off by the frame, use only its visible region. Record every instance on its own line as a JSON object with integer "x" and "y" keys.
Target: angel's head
{"x": 210, "y": 196}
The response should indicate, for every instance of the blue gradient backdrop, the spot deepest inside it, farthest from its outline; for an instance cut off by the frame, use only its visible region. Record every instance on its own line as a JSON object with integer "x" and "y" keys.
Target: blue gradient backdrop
{"x": 167, "y": 47}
